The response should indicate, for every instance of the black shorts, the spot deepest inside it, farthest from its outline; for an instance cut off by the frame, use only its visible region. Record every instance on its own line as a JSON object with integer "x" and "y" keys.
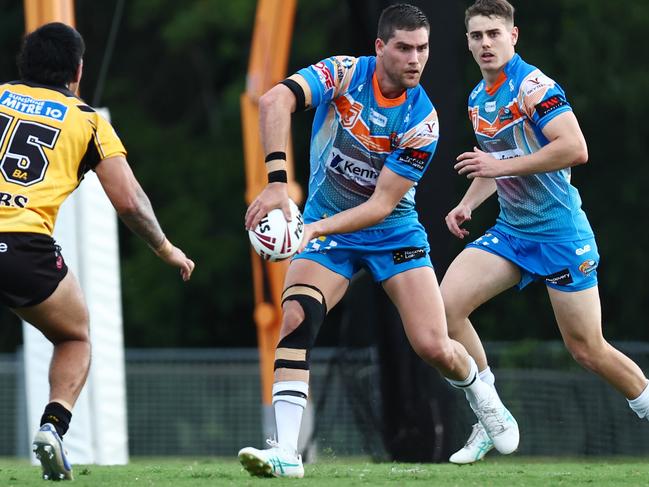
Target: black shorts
{"x": 31, "y": 267}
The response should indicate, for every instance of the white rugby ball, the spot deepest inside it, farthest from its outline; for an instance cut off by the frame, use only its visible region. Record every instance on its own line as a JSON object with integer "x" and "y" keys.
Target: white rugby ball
{"x": 274, "y": 238}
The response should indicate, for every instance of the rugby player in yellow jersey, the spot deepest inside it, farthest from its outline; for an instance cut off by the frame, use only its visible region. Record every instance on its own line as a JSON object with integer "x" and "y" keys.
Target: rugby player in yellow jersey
{"x": 49, "y": 139}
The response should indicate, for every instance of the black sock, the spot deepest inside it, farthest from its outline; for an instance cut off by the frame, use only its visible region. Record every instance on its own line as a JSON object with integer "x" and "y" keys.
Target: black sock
{"x": 58, "y": 416}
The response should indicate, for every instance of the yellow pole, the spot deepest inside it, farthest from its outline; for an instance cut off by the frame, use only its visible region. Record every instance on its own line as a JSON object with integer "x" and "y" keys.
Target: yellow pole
{"x": 39, "y": 12}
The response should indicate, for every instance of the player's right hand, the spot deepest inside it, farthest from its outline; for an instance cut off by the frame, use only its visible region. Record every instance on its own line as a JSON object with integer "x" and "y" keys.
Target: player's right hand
{"x": 172, "y": 255}
{"x": 456, "y": 217}
{"x": 274, "y": 195}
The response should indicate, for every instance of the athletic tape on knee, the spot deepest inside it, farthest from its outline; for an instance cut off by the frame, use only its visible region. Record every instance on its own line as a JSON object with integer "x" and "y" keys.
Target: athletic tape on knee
{"x": 295, "y": 392}
{"x": 313, "y": 304}
{"x": 292, "y": 354}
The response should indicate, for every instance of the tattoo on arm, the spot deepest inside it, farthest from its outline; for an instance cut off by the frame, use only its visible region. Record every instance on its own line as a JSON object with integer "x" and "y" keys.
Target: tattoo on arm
{"x": 142, "y": 221}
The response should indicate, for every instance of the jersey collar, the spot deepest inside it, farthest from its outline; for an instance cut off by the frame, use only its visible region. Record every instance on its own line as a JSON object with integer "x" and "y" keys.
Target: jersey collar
{"x": 503, "y": 75}
{"x": 381, "y": 100}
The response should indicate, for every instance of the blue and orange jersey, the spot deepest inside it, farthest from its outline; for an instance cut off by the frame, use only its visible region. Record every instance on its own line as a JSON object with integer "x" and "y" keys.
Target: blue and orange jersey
{"x": 508, "y": 119}
{"x": 356, "y": 131}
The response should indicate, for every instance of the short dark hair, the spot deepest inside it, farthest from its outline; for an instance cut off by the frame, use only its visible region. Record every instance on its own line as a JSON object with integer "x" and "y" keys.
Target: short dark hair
{"x": 51, "y": 55}
{"x": 490, "y": 8}
{"x": 401, "y": 16}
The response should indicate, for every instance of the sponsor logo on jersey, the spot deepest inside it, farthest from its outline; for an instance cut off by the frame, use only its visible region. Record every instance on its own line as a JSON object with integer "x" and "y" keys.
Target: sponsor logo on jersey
{"x": 490, "y": 107}
{"x": 325, "y": 76}
{"x": 415, "y": 158}
{"x": 511, "y": 85}
{"x": 13, "y": 200}
{"x": 409, "y": 253}
{"x": 549, "y": 105}
{"x": 395, "y": 140}
{"x": 505, "y": 114}
{"x": 539, "y": 82}
{"x": 587, "y": 266}
{"x": 358, "y": 171}
{"x": 340, "y": 72}
{"x": 583, "y": 250}
{"x": 507, "y": 154}
{"x": 428, "y": 130}
{"x": 31, "y": 106}
{"x": 561, "y": 278}
{"x": 3, "y": 247}
{"x": 377, "y": 118}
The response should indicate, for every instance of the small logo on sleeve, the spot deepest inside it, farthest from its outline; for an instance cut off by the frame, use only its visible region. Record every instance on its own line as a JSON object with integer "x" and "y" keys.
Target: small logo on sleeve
{"x": 549, "y": 105}
{"x": 410, "y": 253}
{"x": 324, "y": 75}
{"x": 415, "y": 158}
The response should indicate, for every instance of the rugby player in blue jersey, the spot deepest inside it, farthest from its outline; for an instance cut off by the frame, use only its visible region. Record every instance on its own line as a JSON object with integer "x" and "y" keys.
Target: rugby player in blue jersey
{"x": 528, "y": 140}
{"x": 374, "y": 135}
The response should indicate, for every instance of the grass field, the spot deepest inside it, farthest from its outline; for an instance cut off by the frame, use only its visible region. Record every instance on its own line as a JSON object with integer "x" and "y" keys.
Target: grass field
{"x": 509, "y": 472}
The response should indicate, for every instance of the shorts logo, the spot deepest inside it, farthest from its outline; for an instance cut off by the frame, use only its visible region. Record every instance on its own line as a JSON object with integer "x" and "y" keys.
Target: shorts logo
{"x": 582, "y": 250}
{"x": 561, "y": 278}
{"x": 415, "y": 158}
{"x": 549, "y": 105}
{"x": 3, "y": 247}
{"x": 410, "y": 253}
{"x": 588, "y": 266}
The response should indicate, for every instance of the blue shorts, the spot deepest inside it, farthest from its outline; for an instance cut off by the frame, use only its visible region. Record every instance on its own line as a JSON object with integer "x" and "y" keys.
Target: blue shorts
{"x": 384, "y": 252}
{"x": 566, "y": 266}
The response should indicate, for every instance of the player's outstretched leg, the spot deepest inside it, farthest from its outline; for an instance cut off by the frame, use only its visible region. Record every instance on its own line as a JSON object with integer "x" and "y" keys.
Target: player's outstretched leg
{"x": 271, "y": 462}
{"x": 476, "y": 447}
{"x": 48, "y": 447}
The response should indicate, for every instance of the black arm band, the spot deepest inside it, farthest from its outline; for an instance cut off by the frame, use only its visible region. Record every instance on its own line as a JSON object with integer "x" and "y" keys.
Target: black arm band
{"x": 298, "y": 92}
{"x": 275, "y": 155}
{"x": 277, "y": 177}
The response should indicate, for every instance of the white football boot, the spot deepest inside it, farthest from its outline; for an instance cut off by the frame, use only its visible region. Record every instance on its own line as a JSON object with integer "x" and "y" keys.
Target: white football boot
{"x": 271, "y": 462}
{"x": 48, "y": 447}
{"x": 476, "y": 447}
{"x": 498, "y": 423}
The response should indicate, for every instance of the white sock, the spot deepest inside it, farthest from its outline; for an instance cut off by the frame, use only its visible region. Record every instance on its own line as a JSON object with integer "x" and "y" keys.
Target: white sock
{"x": 288, "y": 418}
{"x": 474, "y": 388}
{"x": 640, "y": 404}
{"x": 488, "y": 376}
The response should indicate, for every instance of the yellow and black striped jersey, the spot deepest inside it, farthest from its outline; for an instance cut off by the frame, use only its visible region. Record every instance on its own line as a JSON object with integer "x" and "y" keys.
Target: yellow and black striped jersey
{"x": 49, "y": 139}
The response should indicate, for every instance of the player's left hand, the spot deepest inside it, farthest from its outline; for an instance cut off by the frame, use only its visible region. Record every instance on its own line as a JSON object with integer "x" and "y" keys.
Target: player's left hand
{"x": 311, "y": 231}
{"x": 478, "y": 164}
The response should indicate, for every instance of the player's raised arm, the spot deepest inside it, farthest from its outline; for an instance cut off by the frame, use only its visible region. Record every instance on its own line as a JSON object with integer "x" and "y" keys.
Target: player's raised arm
{"x": 135, "y": 210}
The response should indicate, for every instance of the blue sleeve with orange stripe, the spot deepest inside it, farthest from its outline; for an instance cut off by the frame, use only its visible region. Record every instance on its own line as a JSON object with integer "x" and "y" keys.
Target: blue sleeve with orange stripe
{"x": 333, "y": 76}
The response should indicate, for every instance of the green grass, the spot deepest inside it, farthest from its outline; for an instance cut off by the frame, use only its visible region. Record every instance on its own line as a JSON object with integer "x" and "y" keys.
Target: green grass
{"x": 507, "y": 472}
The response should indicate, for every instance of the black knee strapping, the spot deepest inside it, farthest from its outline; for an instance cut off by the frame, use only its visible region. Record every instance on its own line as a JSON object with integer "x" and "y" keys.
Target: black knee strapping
{"x": 314, "y": 306}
